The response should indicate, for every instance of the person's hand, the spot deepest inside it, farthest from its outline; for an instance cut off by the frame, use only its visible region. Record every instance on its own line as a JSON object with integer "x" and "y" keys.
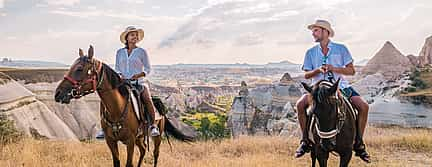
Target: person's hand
{"x": 322, "y": 69}
{"x": 329, "y": 67}
{"x": 122, "y": 77}
{"x": 136, "y": 76}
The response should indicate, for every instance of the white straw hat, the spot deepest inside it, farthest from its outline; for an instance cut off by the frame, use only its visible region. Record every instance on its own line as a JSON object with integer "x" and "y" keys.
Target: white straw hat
{"x": 131, "y": 29}
{"x": 323, "y": 24}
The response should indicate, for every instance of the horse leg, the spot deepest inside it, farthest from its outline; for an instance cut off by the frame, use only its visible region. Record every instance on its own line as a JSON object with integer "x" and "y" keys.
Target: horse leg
{"x": 345, "y": 158}
{"x": 322, "y": 158}
{"x": 157, "y": 141}
{"x": 141, "y": 146}
{"x": 114, "y": 151}
{"x": 313, "y": 156}
{"x": 130, "y": 151}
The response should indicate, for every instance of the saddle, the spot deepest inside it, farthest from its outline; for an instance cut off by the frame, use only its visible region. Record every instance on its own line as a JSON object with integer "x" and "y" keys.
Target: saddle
{"x": 140, "y": 108}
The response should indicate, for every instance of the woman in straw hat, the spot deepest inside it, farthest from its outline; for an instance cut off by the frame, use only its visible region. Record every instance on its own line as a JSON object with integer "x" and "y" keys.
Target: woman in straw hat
{"x": 132, "y": 62}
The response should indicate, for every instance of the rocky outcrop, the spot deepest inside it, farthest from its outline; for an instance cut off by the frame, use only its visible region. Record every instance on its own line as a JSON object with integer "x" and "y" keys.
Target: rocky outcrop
{"x": 415, "y": 61}
{"x": 370, "y": 85}
{"x": 31, "y": 115}
{"x": 207, "y": 107}
{"x": 268, "y": 107}
{"x": 425, "y": 54}
{"x": 388, "y": 61}
{"x": 242, "y": 113}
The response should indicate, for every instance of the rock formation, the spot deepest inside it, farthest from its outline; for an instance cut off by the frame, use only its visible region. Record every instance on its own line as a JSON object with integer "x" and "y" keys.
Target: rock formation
{"x": 265, "y": 109}
{"x": 388, "y": 61}
{"x": 425, "y": 55}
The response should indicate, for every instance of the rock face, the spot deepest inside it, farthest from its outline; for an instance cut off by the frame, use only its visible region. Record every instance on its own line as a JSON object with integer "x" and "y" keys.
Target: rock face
{"x": 425, "y": 55}
{"x": 388, "y": 61}
{"x": 265, "y": 109}
{"x": 30, "y": 114}
{"x": 242, "y": 113}
{"x": 415, "y": 61}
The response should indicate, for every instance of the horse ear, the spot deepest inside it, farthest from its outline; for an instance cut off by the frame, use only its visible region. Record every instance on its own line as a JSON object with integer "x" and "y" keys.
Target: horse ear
{"x": 333, "y": 89}
{"x": 81, "y": 53}
{"x": 307, "y": 87}
{"x": 90, "y": 52}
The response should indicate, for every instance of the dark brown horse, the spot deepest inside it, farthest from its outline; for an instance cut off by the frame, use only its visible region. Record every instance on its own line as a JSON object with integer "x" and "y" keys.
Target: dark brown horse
{"x": 118, "y": 120}
{"x": 332, "y": 122}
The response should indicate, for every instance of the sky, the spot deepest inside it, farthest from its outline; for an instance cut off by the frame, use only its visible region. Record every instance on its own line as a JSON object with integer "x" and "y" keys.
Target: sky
{"x": 208, "y": 31}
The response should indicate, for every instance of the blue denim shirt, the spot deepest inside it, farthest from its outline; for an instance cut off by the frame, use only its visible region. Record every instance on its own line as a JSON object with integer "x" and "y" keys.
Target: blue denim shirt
{"x": 338, "y": 56}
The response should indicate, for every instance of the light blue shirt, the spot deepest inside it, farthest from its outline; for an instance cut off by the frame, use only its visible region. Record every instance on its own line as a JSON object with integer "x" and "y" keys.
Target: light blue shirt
{"x": 338, "y": 56}
{"x": 137, "y": 62}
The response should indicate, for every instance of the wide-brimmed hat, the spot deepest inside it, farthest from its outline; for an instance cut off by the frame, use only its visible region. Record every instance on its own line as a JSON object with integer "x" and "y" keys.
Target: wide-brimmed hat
{"x": 323, "y": 24}
{"x": 131, "y": 29}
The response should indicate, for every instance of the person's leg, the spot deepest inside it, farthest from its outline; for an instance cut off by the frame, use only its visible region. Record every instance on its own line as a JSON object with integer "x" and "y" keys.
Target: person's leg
{"x": 301, "y": 106}
{"x": 150, "y": 108}
{"x": 363, "y": 110}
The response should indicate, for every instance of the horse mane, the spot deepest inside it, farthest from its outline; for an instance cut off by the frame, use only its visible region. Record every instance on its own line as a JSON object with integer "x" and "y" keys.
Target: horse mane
{"x": 114, "y": 79}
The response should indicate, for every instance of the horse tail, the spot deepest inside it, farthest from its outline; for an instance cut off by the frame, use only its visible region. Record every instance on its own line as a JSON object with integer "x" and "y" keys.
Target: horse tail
{"x": 179, "y": 131}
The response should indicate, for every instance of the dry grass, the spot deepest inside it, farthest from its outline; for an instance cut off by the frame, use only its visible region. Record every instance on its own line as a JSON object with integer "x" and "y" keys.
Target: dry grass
{"x": 389, "y": 147}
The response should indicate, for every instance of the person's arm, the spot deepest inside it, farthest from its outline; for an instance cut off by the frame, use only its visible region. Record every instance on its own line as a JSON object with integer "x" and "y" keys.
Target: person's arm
{"x": 347, "y": 60}
{"x": 308, "y": 67}
{"x": 347, "y": 70}
{"x": 312, "y": 73}
{"x": 147, "y": 66}
{"x": 117, "y": 64}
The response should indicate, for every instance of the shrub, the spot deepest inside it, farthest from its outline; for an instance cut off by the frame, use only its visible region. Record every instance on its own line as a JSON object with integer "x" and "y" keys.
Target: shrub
{"x": 8, "y": 131}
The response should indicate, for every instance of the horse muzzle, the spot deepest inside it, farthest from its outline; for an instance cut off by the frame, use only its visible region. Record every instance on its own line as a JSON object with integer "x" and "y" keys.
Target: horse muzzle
{"x": 62, "y": 97}
{"x": 328, "y": 144}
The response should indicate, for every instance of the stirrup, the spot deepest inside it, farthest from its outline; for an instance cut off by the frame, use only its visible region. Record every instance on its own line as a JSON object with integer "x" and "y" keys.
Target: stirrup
{"x": 360, "y": 151}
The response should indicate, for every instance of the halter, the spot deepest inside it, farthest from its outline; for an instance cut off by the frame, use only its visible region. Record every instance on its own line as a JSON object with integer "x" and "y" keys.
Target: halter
{"x": 95, "y": 80}
{"x": 341, "y": 119}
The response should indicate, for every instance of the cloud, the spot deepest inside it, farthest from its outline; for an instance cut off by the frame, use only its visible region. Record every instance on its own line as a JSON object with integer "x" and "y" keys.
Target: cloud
{"x": 117, "y": 15}
{"x": 249, "y": 39}
{"x": 62, "y": 2}
{"x": 11, "y": 38}
{"x": 134, "y": 1}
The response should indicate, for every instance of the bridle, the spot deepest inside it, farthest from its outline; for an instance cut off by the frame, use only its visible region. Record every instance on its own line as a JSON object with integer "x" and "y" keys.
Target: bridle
{"x": 340, "y": 116}
{"x": 95, "y": 79}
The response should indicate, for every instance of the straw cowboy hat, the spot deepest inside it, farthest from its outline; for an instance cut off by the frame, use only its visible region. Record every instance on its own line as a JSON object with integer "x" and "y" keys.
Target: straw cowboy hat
{"x": 323, "y": 24}
{"x": 131, "y": 29}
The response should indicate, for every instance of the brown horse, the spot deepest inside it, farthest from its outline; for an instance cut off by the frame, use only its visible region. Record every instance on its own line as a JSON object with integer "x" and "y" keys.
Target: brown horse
{"x": 332, "y": 121}
{"x": 118, "y": 120}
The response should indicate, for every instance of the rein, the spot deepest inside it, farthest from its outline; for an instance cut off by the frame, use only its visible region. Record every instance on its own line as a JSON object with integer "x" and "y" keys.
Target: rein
{"x": 116, "y": 125}
{"x": 96, "y": 80}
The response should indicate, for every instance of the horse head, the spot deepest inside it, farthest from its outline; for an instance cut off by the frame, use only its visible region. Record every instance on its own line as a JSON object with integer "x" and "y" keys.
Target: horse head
{"x": 324, "y": 108}
{"x": 81, "y": 79}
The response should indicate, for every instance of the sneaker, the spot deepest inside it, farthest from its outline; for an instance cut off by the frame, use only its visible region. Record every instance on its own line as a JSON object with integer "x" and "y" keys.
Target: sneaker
{"x": 303, "y": 149}
{"x": 100, "y": 134}
{"x": 154, "y": 131}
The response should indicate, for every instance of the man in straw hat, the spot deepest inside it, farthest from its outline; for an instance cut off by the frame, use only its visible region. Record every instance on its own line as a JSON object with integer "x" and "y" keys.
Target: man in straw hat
{"x": 325, "y": 57}
{"x": 132, "y": 62}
